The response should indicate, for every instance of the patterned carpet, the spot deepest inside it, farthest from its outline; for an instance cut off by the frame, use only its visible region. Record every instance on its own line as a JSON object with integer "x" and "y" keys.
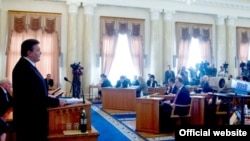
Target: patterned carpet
{"x": 125, "y": 123}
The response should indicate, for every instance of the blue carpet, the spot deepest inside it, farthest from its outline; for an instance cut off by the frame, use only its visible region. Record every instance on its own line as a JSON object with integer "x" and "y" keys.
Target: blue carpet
{"x": 107, "y": 130}
{"x": 111, "y": 127}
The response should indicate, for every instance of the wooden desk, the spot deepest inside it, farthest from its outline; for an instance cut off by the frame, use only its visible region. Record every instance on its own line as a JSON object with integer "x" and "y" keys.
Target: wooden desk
{"x": 147, "y": 114}
{"x": 119, "y": 98}
{"x": 198, "y": 110}
{"x": 61, "y": 117}
{"x": 92, "y": 135}
{"x": 160, "y": 90}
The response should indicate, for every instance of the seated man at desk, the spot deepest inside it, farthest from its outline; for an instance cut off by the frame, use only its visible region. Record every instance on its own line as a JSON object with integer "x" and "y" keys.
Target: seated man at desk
{"x": 182, "y": 97}
{"x": 142, "y": 88}
{"x": 104, "y": 83}
{"x": 152, "y": 82}
{"x": 122, "y": 82}
{"x": 172, "y": 88}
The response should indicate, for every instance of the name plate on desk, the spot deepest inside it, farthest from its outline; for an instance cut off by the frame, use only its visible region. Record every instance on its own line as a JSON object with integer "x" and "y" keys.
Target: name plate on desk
{"x": 240, "y": 87}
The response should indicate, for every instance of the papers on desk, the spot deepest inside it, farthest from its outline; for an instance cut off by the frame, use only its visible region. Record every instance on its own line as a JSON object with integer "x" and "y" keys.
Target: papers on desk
{"x": 73, "y": 132}
{"x": 72, "y": 100}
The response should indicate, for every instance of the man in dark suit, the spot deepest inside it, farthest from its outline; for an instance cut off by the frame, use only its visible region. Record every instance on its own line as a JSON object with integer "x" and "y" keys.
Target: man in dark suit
{"x": 182, "y": 97}
{"x": 172, "y": 88}
{"x": 49, "y": 81}
{"x": 152, "y": 82}
{"x": 5, "y": 98}
{"x": 168, "y": 74}
{"x": 105, "y": 82}
{"x": 32, "y": 94}
{"x": 122, "y": 83}
{"x": 5, "y": 104}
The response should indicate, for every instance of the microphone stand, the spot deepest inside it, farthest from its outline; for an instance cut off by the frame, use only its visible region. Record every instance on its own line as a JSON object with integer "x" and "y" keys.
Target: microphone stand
{"x": 66, "y": 79}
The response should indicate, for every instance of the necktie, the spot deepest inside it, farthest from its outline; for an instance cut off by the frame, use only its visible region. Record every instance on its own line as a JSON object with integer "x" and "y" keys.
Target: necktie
{"x": 177, "y": 94}
{"x": 6, "y": 96}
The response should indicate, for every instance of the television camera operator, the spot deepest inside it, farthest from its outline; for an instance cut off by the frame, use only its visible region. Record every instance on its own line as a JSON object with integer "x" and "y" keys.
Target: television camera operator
{"x": 76, "y": 83}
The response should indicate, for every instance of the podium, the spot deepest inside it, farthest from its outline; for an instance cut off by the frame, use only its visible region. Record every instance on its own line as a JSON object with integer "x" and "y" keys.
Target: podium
{"x": 66, "y": 119}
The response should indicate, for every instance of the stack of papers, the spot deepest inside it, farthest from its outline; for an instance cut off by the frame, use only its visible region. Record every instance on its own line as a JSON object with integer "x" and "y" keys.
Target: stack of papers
{"x": 73, "y": 100}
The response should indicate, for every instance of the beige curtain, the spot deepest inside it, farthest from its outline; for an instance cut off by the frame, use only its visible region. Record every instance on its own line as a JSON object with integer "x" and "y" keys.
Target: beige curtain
{"x": 44, "y": 27}
{"x": 243, "y": 35}
{"x": 184, "y": 33}
{"x": 110, "y": 28}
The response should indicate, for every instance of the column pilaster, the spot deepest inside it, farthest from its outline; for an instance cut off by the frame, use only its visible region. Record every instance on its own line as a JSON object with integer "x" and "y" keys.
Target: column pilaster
{"x": 155, "y": 61}
{"x": 88, "y": 57}
{"x": 220, "y": 54}
{"x": 72, "y": 48}
{"x": 169, "y": 49}
{"x": 231, "y": 46}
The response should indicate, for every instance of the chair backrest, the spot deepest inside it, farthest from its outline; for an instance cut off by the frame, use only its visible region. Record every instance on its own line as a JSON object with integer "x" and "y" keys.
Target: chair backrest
{"x": 189, "y": 106}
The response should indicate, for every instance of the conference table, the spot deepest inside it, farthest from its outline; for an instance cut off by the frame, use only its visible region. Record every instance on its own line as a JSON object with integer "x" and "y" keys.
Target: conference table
{"x": 119, "y": 98}
{"x": 147, "y": 111}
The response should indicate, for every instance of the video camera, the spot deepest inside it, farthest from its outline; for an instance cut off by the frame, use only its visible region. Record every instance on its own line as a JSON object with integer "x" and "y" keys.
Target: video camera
{"x": 76, "y": 66}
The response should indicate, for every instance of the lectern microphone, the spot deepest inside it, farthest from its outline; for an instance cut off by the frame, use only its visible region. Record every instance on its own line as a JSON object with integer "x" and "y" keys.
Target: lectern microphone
{"x": 66, "y": 79}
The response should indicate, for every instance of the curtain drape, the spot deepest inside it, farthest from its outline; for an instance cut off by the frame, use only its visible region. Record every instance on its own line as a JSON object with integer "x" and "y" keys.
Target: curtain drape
{"x": 45, "y": 27}
{"x": 242, "y": 37}
{"x": 184, "y": 33}
{"x": 110, "y": 28}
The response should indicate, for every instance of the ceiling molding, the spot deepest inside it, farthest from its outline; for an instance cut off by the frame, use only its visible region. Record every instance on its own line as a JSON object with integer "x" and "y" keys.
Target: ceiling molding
{"x": 214, "y": 7}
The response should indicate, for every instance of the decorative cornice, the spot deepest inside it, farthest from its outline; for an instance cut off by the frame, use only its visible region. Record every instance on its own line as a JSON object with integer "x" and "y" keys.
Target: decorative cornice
{"x": 221, "y": 20}
{"x": 155, "y": 14}
{"x": 89, "y": 9}
{"x": 73, "y": 5}
{"x": 230, "y": 20}
{"x": 213, "y": 7}
{"x": 168, "y": 15}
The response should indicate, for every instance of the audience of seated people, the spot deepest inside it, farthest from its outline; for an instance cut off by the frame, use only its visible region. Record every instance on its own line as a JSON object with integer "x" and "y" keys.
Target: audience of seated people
{"x": 182, "y": 97}
{"x": 142, "y": 88}
{"x": 104, "y": 82}
{"x": 152, "y": 82}
{"x": 122, "y": 82}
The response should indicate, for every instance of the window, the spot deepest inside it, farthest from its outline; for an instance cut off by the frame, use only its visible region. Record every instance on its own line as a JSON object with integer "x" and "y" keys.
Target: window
{"x": 194, "y": 53}
{"x": 122, "y": 63}
{"x": 45, "y": 28}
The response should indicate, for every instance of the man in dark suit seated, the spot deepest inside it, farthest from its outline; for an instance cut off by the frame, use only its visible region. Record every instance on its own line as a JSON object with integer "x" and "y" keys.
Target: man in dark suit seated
{"x": 5, "y": 103}
{"x": 104, "y": 83}
{"x": 135, "y": 82}
{"x": 6, "y": 100}
{"x": 182, "y": 97}
{"x": 152, "y": 82}
{"x": 172, "y": 88}
{"x": 122, "y": 83}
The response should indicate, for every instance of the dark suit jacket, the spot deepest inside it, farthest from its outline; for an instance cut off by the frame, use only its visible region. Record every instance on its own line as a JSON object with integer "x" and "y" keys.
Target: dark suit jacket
{"x": 172, "y": 90}
{"x": 120, "y": 84}
{"x": 49, "y": 83}
{"x": 30, "y": 101}
{"x": 167, "y": 75}
{"x": 155, "y": 84}
{"x": 183, "y": 98}
{"x": 4, "y": 104}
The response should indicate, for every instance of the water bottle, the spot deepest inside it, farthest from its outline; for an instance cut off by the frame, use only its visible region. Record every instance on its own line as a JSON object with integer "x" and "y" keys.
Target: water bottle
{"x": 245, "y": 109}
{"x": 83, "y": 123}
